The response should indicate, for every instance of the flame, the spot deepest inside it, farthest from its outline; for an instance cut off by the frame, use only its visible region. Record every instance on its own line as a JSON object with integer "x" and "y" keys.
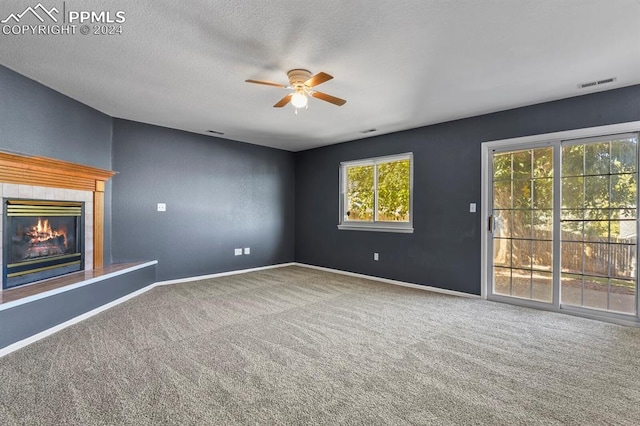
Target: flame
{"x": 43, "y": 232}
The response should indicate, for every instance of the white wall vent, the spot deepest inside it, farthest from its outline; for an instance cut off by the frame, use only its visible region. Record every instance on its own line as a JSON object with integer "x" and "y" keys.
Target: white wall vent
{"x": 596, "y": 83}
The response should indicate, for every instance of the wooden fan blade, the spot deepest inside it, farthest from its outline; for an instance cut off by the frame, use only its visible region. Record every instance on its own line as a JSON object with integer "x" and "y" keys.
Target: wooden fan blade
{"x": 328, "y": 98}
{"x": 319, "y": 78}
{"x": 268, "y": 83}
{"x": 282, "y": 102}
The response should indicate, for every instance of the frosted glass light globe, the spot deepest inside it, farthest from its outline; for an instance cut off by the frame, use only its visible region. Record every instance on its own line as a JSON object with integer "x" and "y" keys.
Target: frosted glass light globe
{"x": 299, "y": 100}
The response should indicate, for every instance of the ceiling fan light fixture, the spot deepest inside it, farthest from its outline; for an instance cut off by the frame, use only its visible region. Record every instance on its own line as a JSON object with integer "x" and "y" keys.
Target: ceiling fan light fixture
{"x": 299, "y": 100}
{"x": 303, "y": 85}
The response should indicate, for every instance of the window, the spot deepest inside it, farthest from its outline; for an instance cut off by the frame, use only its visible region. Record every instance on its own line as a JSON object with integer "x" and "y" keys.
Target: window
{"x": 376, "y": 194}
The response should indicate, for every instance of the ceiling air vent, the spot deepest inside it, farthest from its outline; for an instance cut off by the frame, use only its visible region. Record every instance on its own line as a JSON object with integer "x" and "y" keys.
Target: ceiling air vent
{"x": 369, "y": 131}
{"x": 596, "y": 83}
{"x": 215, "y": 132}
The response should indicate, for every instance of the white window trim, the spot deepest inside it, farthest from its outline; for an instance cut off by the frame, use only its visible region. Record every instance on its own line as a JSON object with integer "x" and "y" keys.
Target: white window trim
{"x": 376, "y": 226}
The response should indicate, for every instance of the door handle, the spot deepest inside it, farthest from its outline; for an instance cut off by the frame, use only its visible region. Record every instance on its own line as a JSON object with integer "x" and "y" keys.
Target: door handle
{"x": 490, "y": 224}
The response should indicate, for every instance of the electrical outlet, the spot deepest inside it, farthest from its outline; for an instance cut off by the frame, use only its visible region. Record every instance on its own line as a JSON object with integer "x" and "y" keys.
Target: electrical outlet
{"x": 375, "y": 256}
{"x": 237, "y": 252}
{"x": 162, "y": 207}
{"x": 472, "y": 207}
{"x": 247, "y": 250}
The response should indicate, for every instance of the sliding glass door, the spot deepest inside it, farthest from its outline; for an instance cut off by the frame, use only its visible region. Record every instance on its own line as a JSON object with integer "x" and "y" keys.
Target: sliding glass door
{"x": 563, "y": 224}
{"x": 599, "y": 223}
{"x": 523, "y": 219}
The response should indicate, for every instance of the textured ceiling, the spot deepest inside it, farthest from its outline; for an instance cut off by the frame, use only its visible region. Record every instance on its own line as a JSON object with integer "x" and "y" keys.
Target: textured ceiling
{"x": 400, "y": 64}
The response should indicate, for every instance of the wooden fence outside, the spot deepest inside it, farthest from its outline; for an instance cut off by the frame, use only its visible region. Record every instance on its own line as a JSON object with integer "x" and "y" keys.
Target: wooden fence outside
{"x": 588, "y": 257}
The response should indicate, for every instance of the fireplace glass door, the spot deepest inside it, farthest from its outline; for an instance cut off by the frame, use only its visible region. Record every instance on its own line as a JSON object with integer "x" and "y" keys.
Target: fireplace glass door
{"x": 42, "y": 239}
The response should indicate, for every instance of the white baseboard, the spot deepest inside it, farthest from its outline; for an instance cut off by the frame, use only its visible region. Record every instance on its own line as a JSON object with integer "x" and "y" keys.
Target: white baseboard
{"x": 394, "y": 282}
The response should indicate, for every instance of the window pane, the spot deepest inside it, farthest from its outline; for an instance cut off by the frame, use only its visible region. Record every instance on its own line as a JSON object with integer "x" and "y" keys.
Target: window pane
{"x": 521, "y": 224}
{"x": 596, "y": 292}
{"x": 623, "y": 231}
{"x": 624, "y": 214}
{"x": 571, "y": 289}
{"x": 596, "y": 159}
{"x": 502, "y": 166}
{"x": 596, "y": 192}
{"x": 572, "y": 230}
{"x": 623, "y": 156}
{"x": 572, "y": 214}
{"x": 394, "y": 180}
{"x": 542, "y": 194}
{"x": 542, "y": 251}
{"x": 502, "y": 252}
{"x": 596, "y": 214}
{"x": 573, "y": 160}
{"x": 502, "y": 281}
{"x": 542, "y": 224}
{"x": 596, "y": 259}
{"x": 359, "y": 193}
{"x": 572, "y": 192}
{"x": 572, "y": 255}
{"x": 502, "y": 223}
{"x": 521, "y": 253}
{"x": 623, "y": 190}
{"x": 542, "y": 286}
{"x": 522, "y": 194}
{"x": 521, "y": 280}
{"x": 596, "y": 231}
{"x": 502, "y": 194}
{"x": 543, "y": 162}
{"x": 623, "y": 260}
{"x": 522, "y": 165}
{"x": 622, "y": 296}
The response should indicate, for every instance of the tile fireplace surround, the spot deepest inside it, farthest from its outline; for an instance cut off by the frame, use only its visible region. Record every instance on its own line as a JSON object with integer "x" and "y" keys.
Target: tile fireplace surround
{"x": 53, "y": 180}
{"x": 11, "y": 190}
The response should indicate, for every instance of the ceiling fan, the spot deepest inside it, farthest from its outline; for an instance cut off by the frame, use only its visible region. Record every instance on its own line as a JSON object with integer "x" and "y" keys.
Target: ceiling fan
{"x": 302, "y": 84}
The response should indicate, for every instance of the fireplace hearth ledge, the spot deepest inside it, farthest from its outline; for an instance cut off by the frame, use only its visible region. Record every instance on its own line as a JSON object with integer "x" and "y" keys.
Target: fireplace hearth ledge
{"x": 34, "y": 317}
{"x": 81, "y": 283}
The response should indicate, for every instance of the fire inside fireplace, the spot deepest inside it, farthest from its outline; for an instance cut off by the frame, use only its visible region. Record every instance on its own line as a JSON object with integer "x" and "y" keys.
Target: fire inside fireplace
{"x": 42, "y": 239}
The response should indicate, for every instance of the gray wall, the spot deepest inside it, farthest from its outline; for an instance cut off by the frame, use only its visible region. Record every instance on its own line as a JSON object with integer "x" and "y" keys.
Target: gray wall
{"x": 36, "y": 120}
{"x": 444, "y": 250}
{"x": 223, "y": 194}
{"x": 220, "y": 195}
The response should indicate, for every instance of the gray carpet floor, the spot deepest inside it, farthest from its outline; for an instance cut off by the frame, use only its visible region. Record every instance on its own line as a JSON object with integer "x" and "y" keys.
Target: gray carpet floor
{"x": 299, "y": 346}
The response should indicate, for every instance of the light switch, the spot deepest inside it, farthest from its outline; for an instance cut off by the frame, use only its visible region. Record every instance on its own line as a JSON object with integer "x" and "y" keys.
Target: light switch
{"x": 162, "y": 207}
{"x": 472, "y": 207}
{"x": 247, "y": 250}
